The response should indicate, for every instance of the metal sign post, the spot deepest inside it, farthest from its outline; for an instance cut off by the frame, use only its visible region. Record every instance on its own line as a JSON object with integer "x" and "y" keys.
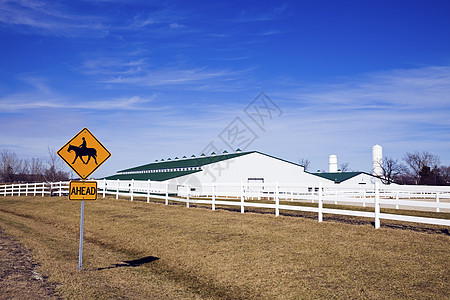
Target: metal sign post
{"x": 80, "y": 251}
{"x": 84, "y": 160}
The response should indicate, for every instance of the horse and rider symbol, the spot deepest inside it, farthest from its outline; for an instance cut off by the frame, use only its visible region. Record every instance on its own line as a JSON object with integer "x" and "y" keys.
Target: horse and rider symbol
{"x": 83, "y": 150}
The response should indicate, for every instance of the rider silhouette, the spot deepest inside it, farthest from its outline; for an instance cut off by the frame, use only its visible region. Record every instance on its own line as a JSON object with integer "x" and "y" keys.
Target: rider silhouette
{"x": 83, "y": 150}
{"x": 83, "y": 146}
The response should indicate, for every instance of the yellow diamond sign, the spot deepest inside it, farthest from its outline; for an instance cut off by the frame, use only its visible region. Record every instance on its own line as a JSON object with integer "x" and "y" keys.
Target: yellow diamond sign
{"x": 84, "y": 153}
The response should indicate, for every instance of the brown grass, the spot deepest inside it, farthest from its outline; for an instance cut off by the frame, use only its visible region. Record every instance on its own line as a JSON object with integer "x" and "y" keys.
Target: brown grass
{"x": 139, "y": 250}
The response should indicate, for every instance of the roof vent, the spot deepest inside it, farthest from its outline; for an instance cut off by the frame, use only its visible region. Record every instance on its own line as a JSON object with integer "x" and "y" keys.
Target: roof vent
{"x": 238, "y": 150}
{"x": 156, "y": 160}
{"x": 225, "y": 152}
{"x": 203, "y": 154}
{"x": 213, "y": 154}
{"x": 169, "y": 158}
{"x": 193, "y": 156}
{"x": 184, "y": 157}
{"x": 176, "y": 158}
{"x": 162, "y": 159}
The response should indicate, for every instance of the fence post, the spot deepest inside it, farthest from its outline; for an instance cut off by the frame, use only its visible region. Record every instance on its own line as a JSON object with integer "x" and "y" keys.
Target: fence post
{"x": 104, "y": 187}
{"x": 320, "y": 203}
{"x": 437, "y": 202}
{"x": 18, "y": 190}
{"x": 213, "y": 205}
{"x": 148, "y": 190}
{"x": 43, "y": 189}
{"x": 377, "y": 205}
{"x": 277, "y": 199}
{"x": 167, "y": 194}
{"x": 396, "y": 200}
{"x": 242, "y": 197}
{"x": 34, "y": 190}
{"x": 187, "y": 197}
{"x": 364, "y": 197}
{"x": 117, "y": 192}
{"x": 26, "y": 189}
{"x": 60, "y": 188}
{"x": 132, "y": 188}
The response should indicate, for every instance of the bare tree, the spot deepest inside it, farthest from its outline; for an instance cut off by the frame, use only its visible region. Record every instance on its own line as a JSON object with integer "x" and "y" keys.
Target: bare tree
{"x": 13, "y": 169}
{"x": 304, "y": 162}
{"x": 36, "y": 166}
{"x": 55, "y": 170}
{"x": 33, "y": 170}
{"x": 418, "y": 160}
{"x": 391, "y": 170}
{"x": 10, "y": 165}
{"x": 344, "y": 167}
{"x": 445, "y": 175}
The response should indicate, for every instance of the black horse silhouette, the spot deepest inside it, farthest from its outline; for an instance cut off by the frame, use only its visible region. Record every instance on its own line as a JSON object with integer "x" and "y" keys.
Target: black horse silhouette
{"x": 80, "y": 152}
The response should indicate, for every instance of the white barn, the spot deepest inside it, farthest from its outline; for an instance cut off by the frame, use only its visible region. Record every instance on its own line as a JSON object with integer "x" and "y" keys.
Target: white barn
{"x": 202, "y": 172}
{"x": 349, "y": 178}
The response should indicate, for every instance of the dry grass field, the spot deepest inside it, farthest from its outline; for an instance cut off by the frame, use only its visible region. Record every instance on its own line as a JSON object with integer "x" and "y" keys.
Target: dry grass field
{"x": 136, "y": 250}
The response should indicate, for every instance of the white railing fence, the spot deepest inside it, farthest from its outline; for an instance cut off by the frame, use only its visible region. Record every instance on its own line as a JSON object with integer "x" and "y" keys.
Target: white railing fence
{"x": 59, "y": 188}
{"x": 276, "y": 196}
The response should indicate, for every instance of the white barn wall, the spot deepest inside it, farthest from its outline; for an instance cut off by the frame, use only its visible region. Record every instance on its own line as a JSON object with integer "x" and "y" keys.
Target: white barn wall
{"x": 252, "y": 165}
{"x": 361, "y": 179}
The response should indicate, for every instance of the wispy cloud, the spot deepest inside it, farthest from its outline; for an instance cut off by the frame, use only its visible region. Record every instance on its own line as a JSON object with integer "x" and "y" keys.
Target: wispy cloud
{"x": 113, "y": 66}
{"x": 20, "y": 102}
{"x": 270, "y": 32}
{"x": 45, "y": 17}
{"x": 400, "y": 89}
{"x": 403, "y": 110}
{"x": 42, "y": 96}
{"x": 251, "y": 16}
{"x": 192, "y": 79}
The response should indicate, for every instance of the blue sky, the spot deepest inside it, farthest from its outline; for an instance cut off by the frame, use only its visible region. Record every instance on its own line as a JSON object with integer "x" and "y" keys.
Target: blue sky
{"x": 159, "y": 79}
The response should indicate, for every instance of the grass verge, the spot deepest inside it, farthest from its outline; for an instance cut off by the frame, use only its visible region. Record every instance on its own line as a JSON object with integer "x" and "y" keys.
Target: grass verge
{"x": 139, "y": 250}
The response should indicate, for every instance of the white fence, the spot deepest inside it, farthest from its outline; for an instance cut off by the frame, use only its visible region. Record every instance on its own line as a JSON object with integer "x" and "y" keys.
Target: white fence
{"x": 35, "y": 189}
{"x": 269, "y": 196}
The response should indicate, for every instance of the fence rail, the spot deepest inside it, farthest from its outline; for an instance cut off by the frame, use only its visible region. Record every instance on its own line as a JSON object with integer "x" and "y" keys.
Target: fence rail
{"x": 35, "y": 189}
{"x": 268, "y": 195}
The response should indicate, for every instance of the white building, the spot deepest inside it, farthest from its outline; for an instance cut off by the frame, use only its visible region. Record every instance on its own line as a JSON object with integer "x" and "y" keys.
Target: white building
{"x": 231, "y": 171}
{"x": 241, "y": 167}
{"x": 350, "y": 178}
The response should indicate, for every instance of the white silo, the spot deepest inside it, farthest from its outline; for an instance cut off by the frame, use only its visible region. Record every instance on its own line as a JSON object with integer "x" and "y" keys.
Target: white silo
{"x": 377, "y": 160}
{"x": 333, "y": 168}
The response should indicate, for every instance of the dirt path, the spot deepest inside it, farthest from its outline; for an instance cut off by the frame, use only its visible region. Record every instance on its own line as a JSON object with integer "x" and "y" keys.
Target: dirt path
{"x": 18, "y": 277}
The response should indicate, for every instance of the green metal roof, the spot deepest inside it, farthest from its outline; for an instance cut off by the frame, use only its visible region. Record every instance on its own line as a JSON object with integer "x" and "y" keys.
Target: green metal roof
{"x": 151, "y": 176}
{"x": 339, "y": 176}
{"x": 184, "y": 163}
{"x": 164, "y": 170}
